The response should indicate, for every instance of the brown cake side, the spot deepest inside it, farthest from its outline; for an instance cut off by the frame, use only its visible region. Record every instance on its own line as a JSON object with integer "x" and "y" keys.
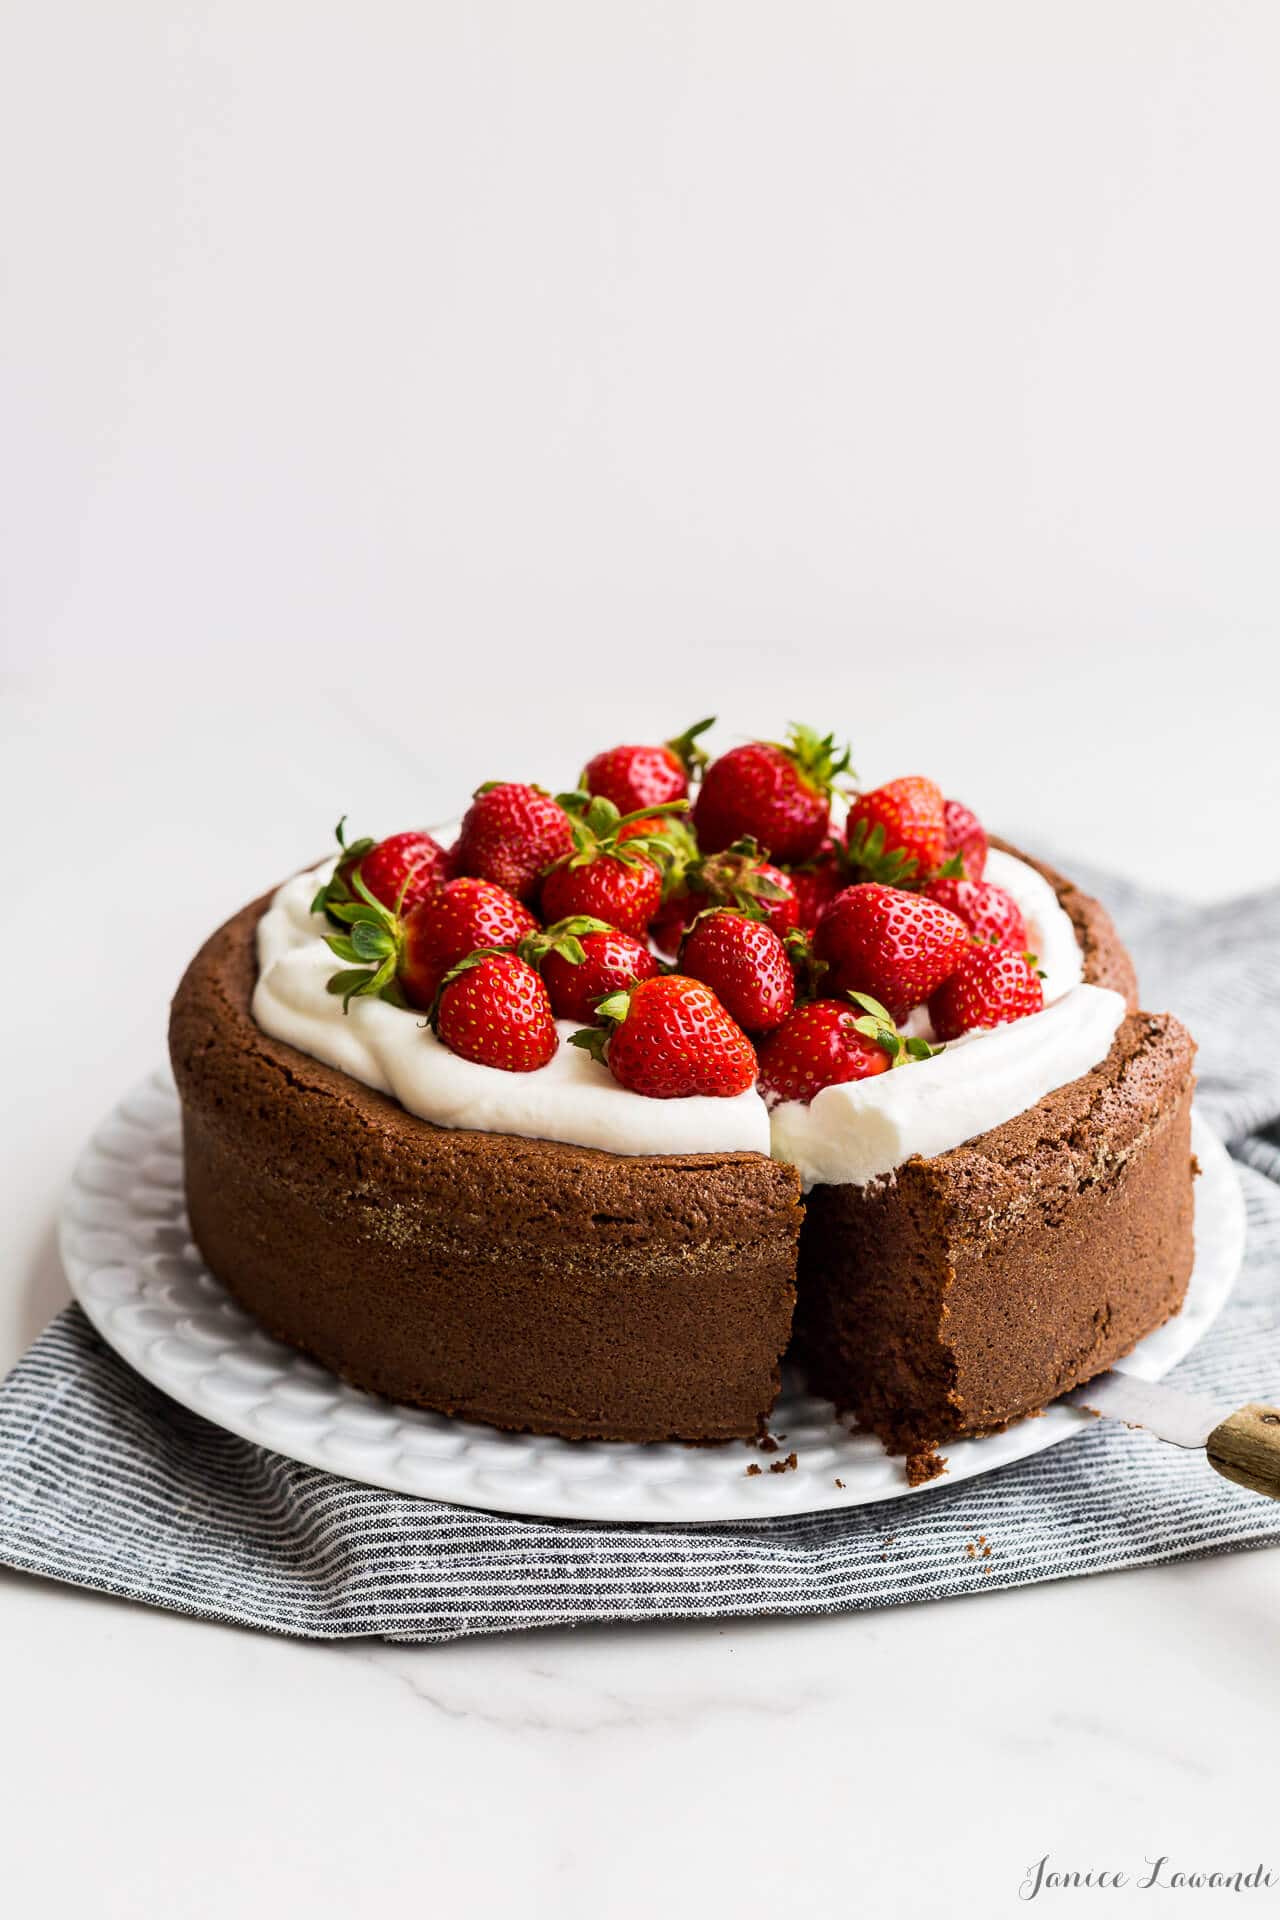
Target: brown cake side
{"x": 525, "y": 1283}
{"x": 966, "y": 1290}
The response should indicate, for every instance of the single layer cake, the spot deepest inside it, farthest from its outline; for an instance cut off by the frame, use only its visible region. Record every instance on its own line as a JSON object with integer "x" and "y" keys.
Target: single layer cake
{"x": 552, "y": 1287}
{"x": 575, "y": 1125}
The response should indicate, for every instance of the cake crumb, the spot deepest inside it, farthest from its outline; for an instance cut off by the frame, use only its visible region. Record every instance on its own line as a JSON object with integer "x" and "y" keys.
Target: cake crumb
{"x": 970, "y": 1549}
{"x": 783, "y": 1466}
{"x": 767, "y": 1443}
{"x": 753, "y": 1468}
{"x": 924, "y": 1463}
{"x": 840, "y": 1484}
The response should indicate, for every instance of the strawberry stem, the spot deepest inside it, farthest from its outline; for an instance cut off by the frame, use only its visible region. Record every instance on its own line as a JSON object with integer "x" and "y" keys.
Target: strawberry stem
{"x": 691, "y": 756}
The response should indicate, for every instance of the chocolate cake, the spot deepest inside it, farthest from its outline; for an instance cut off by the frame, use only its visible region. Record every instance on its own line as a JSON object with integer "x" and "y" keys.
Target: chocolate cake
{"x": 560, "y": 1289}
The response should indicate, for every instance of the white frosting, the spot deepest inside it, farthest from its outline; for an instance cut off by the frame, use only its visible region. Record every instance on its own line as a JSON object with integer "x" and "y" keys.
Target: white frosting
{"x": 853, "y": 1133}
{"x": 849, "y": 1134}
{"x": 572, "y": 1098}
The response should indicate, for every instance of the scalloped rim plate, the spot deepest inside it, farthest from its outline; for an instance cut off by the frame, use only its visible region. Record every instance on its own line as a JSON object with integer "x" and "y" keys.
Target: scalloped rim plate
{"x": 133, "y": 1267}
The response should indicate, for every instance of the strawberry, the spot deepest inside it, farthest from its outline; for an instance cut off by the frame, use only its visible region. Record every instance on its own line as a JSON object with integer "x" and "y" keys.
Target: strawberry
{"x": 991, "y": 985}
{"x": 746, "y": 966}
{"x": 781, "y": 795}
{"x": 583, "y": 961}
{"x": 896, "y": 832}
{"x": 677, "y": 838}
{"x": 898, "y": 946}
{"x": 668, "y": 1038}
{"x": 609, "y": 875}
{"x": 991, "y": 915}
{"x": 403, "y": 870}
{"x": 404, "y": 957}
{"x": 966, "y": 841}
{"x": 738, "y": 878}
{"x": 510, "y": 834}
{"x": 493, "y": 1008}
{"x": 465, "y": 914}
{"x": 820, "y": 1045}
{"x": 817, "y": 882}
{"x": 625, "y": 892}
{"x": 398, "y": 872}
{"x": 636, "y": 777}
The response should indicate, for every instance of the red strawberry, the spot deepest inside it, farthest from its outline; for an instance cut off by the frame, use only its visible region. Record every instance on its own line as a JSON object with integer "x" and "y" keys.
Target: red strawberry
{"x": 817, "y": 882}
{"x": 828, "y": 1041}
{"x": 746, "y": 966}
{"x": 510, "y": 834}
{"x": 583, "y": 961}
{"x": 991, "y": 985}
{"x": 403, "y": 870}
{"x": 403, "y": 957}
{"x": 895, "y": 945}
{"x": 781, "y": 795}
{"x": 493, "y": 1008}
{"x": 610, "y": 875}
{"x": 739, "y": 878}
{"x": 669, "y": 1037}
{"x": 636, "y": 777}
{"x": 896, "y": 832}
{"x": 398, "y": 872}
{"x": 991, "y": 915}
{"x": 463, "y": 915}
{"x": 819, "y": 1046}
{"x": 625, "y": 892}
{"x": 966, "y": 839}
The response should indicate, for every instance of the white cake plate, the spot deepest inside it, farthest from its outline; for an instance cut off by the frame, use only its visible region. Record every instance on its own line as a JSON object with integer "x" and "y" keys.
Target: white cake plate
{"x": 133, "y": 1268}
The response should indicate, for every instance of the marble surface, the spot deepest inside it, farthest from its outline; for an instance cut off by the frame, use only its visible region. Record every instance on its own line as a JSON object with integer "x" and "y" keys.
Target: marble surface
{"x": 386, "y": 392}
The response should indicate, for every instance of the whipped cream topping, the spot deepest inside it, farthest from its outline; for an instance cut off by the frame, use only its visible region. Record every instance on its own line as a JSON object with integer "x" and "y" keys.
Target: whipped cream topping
{"x": 573, "y": 1098}
{"x": 852, "y": 1134}
{"x": 848, "y": 1135}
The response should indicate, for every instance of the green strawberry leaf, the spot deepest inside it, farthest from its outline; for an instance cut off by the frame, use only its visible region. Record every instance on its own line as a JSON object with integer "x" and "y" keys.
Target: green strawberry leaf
{"x": 873, "y": 1007}
{"x": 691, "y": 756}
{"x": 592, "y": 1040}
{"x": 371, "y": 942}
{"x": 867, "y": 852}
{"x": 920, "y": 1049}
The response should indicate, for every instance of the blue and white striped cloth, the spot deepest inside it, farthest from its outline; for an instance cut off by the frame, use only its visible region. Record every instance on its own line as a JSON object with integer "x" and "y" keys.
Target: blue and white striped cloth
{"x": 105, "y": 1483}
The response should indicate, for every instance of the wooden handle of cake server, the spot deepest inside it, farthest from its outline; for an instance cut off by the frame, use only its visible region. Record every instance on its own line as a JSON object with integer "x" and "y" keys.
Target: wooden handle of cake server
{"x": 1246, "y": 1448}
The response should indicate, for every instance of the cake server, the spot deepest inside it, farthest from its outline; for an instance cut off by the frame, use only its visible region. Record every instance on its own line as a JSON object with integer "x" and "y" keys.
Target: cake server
{"x": 1245, "y": 1447}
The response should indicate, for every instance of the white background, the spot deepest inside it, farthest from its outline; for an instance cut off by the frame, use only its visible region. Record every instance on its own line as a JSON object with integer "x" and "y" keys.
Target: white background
{"x": 394, "y": 397}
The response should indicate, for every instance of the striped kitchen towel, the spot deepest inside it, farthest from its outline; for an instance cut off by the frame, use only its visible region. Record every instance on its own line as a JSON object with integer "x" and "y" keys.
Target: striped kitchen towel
{"x": 105, "y": 1483}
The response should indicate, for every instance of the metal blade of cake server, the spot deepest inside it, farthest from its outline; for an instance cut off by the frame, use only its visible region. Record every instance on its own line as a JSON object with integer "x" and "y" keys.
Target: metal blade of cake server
{"x": 1184, "y": 1419}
